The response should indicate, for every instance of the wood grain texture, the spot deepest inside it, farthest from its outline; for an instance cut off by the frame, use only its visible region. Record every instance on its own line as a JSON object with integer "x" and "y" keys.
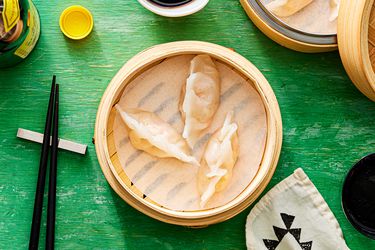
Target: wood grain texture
{"x": 371, "y": 37}
{"x": 328, "y": 124}
{"x": 353, "y": 35}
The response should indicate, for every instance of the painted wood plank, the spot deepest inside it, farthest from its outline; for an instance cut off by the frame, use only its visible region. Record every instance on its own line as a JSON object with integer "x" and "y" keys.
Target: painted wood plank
{"x": 328, "y": 124}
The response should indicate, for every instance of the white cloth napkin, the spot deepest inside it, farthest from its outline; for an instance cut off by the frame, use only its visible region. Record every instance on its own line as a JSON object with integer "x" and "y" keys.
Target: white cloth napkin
{"x": 293, "y": 215}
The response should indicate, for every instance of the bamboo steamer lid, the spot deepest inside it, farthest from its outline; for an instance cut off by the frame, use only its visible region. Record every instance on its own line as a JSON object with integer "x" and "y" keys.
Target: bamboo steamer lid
{"x": 106, "y": 150}
{"x": 356, "y": 39}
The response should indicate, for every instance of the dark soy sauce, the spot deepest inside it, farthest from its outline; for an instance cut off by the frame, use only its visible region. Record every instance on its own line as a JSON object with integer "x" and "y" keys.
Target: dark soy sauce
{"x": 358, "y": 196}
{"x": 170, "y": 3}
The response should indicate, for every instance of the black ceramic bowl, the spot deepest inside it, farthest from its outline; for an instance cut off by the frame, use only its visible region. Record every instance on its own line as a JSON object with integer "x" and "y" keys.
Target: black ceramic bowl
{"x": 358, "y": 196}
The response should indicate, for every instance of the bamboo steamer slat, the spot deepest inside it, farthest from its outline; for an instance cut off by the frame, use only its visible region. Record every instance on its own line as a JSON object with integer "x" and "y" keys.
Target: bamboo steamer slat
{"x": 356, "y": 38}
{"x": 281, "y": 38}
{"x": 107, "y": 155}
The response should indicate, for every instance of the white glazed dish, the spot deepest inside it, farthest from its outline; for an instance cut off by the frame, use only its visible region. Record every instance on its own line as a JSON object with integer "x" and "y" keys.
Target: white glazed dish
{"x": 178, "y": 11}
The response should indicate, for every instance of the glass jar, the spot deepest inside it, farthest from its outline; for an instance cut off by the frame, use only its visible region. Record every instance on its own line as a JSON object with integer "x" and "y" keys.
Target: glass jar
{"x": 19, "y": 30}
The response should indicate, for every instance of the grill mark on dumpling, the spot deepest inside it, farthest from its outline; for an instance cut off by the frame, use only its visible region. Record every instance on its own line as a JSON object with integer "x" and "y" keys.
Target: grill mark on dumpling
{"x": 133, "y": 157}
{"x": 201, "y": 142}
{"x": 227, "y": 93}
{"x": 175, "y": 190}
{"x": 143, "y": 170}
{"x": 155, "y": 184}
{"x": 152, "y": 92}
{"x": 174, "y": 118}
{"x": 241, "y": 105}
{"x": 230, "y": 91}
{"x": 163, "y": 105}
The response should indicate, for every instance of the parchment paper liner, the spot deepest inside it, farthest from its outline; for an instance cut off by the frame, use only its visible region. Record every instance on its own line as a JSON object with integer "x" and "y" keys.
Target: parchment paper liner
{"x": 313, "y": 19}
{"x": 169, "y": 182}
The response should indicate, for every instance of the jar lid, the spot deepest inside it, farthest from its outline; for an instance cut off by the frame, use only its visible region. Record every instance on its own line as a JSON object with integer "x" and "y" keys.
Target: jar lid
{"x": 358, "y": 200}
{"x": 76, "y": 22}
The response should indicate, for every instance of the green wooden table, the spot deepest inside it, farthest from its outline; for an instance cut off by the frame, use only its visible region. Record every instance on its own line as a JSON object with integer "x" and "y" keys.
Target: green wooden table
{"x": 328, "y": 124}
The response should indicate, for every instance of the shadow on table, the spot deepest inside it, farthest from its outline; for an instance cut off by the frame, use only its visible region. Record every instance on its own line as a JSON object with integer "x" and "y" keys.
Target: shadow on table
{"x": 141, "y": 231}
{"x": 163, "y": 29}
{"x": 88, "y": 50}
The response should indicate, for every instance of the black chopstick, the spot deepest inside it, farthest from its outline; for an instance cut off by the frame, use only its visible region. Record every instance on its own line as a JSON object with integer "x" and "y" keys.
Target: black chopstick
{"x": 51, "y": 211}
{"x": 38, "y": 202}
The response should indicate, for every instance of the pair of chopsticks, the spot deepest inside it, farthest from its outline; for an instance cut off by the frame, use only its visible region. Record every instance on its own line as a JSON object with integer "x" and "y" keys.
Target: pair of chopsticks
{"x": 52, "y": 114}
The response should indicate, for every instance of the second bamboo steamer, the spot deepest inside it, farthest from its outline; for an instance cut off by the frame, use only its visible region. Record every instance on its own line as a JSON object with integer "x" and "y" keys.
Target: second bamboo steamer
{"x": 355, "y": 38}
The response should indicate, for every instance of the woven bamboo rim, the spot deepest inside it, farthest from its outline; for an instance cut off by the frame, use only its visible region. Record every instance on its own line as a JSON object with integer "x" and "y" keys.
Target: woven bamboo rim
{"x": 356, "y": 38}
{"x": 107, "y": 155}
{"x": 250, "y": 7}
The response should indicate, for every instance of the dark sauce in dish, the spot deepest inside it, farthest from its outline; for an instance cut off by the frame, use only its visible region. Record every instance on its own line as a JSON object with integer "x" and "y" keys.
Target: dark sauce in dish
{"x": 170, "y": 3}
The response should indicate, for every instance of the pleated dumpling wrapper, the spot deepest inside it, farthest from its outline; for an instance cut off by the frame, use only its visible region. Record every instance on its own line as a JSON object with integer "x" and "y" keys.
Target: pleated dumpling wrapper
{"x": 285, "y": 8}
{"x": 335, "y": 4}
{"x": 150, "y": 133}
{"x": 219, "y": 158}
{"x": 200, "y": 97}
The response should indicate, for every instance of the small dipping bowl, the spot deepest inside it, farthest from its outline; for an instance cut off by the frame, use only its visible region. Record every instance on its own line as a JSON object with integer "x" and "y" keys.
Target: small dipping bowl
{"x": 358, "y": 196}
{"x": 174, "y": 10}
{"x": 76, "y": 22}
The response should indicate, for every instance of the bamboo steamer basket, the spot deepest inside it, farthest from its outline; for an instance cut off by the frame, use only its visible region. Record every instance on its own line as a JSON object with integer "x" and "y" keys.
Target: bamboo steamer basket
{"x": 109, "y": 160}
{"x": 283, "y": 34}
{"x": 355, "y": 38}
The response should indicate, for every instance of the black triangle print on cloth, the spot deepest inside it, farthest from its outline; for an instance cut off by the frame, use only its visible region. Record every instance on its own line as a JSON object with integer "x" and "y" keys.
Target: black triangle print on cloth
{"x": 288, "y": 220}
{"x": 306, "y": 245}
{"x": 281, "y": 232}
{"x": 271, "y": 244}
{"x": 296, "y": 232}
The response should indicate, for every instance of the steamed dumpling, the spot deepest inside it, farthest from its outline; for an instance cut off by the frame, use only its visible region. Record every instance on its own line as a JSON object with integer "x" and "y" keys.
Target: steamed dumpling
{"x": 200, "y": 97}
{"x": 218, "y": 160}
{"x": 151, "y": 134}
{"x": 285, "y": 8}
{"x": 335, "y": 4}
